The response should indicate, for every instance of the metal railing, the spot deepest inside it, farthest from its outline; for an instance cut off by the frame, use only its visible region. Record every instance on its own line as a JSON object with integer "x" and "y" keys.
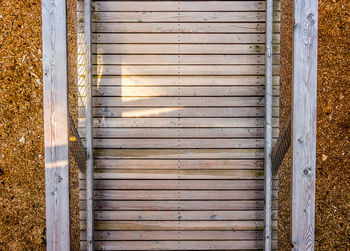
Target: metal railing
{"x": 281, "y": 147}
{"x": 76, "y": 146}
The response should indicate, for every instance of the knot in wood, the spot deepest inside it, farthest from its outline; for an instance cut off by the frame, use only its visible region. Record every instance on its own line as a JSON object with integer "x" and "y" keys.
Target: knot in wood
{"x": 309, "y": 31}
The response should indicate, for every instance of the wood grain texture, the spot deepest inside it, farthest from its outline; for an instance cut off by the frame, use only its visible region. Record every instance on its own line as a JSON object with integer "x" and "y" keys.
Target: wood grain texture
{"x": 180, "y": 17}
{"x": 179, "y": 153}
{"x": 181, "y": 38}
{"x": 183, "y": 112}
{"x": 268, "y": 126}
{"x": 184, "y": 49}
{"x": 89, "y": 127}
{"x": 185, "y": 80}
{"x": 177, "y": 245}
{"x": 175, "y": 235}
{"x": 304, "y": 124}
{"x": 55, "y": 92}
{"x": 183, "y": 6}
{"x": 178, "y": 184}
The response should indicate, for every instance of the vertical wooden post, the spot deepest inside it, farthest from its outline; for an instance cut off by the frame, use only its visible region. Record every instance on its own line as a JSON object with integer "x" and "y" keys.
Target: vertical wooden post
{"x": 304, "y": 123}
{"x": 54, "y": 35}
{"x": 268, "y": 126}
{"x": 89, "y": 136}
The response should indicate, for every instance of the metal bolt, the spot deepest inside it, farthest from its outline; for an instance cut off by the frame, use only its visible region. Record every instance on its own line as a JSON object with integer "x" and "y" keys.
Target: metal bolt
{"x": 306, "y": 172}
{"x": 300, "y": 140}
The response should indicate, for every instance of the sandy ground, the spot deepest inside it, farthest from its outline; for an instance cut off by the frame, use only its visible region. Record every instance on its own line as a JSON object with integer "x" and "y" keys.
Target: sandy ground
{"x": 22, "y": 188}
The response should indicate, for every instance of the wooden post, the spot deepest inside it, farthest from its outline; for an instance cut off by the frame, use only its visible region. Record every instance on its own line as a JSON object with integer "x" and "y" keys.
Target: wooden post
{"x": 56, "y": 124}
{"x": 89, "y": 136}
{"x": 268, "y": 127}
{"x": 304, "y": 123}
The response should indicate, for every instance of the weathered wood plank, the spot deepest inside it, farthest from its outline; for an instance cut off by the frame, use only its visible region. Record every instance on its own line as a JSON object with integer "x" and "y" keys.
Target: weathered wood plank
{"x": 181, "y": 70}
{"x": 89, "y": 125}
{"x": 183, "y": 112}
{"x": 179, "y": 153}
{"x": 176, "y": 235}
{"x": 184, "y": 80}
{"x": 178, "y": 164}
{"x": 56, "y": 132}
{"x": 179, "y": 143}
{"x": 179, "y": 122}
{"x": 183, "y": 6}
{"x": 184, "y": 49}
{"x": 180, "y": 27}
{"x": 177, "y": 215}
{"x": 181, "y": 59}
{"x": 177, "y": 184}
{"x": 181, "y": 225}
{"x": 178, "y": 101}
{"x": 176, "y": 195}
{"x": 304, "y": 124}
{"x": 180, "y": 17}
{"x": 268, "y": 126}
{"x": 181, "y": 91}
{"x": 178, "y": 245}
{"x": 127, "y": 133}
{"x": 178, "y": 205}
{"x": 181, "y": 38}
{"x": 178, "y": 174}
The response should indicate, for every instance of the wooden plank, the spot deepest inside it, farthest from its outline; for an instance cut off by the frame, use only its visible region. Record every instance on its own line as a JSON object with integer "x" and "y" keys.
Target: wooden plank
{"x": 177, "y": 215}
{"x": 181, "y": 6}
{"x": 304, "y": 124}
{"x": 178, "y": 101}
{"x": 183, "y": 112}
{"x": 179, "y": 17}
{"x": 179, "y": 122}
{"x": 181, "y": 70}
{"x": 178, "y": 143}
{"x": 179, "y": 59}
{"x": 176, "y": 195}
{"x": 184, "y": 49}
{"x": 179, "y": 153}
{"x": 178, "y": 164}
{"x": 89, "y": 125}
{"x": 178, "y": 174}
{"x": 181, "y": 225}
{"x": 180, "y": 91}
{"x": 178, "y": 205}
{"x": 268, "y": 126}
{"x": 55, "y": 84}
{"x": 253, "y": 184}
{"x": 181, "y": 38}
{"x": 136, "y": 133}
{"x": 178, "y": 184}
{"x": 180, "y": 27}
{"x": 177, "y": 245}
{"x": 175, "y": 235}
{"x": 185, "y": 80}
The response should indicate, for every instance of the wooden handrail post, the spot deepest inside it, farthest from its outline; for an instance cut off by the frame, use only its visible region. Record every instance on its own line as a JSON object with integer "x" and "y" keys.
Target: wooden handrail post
{"x": 268, "y": 127}
{"x": 304, "y": 124}
{"x": 89, "y": 135}
{"x": 54, "y": 35}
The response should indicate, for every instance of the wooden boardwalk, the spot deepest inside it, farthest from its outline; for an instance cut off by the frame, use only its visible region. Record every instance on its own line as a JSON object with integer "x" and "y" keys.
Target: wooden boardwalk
{"x": 178, "y": 116}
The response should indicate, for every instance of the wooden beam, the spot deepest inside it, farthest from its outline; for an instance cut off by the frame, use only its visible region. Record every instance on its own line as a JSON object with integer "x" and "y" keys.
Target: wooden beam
{"x": 54, "y": 34}
{"x": 268, "y": 126}
{"x": 304, "y": 123}
{"x": 89, "y": 135}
